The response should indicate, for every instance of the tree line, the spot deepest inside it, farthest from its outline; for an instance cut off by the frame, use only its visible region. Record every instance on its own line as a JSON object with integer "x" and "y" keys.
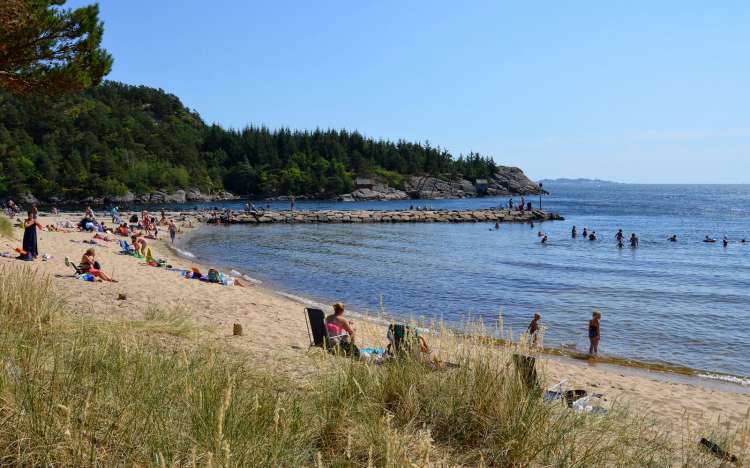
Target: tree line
{"x": 115, "y": 138}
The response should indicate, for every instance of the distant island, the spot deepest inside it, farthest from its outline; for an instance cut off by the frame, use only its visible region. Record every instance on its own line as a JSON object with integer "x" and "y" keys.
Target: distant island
{"x": 580, "y": 181}
{"x": 117, "y": 143}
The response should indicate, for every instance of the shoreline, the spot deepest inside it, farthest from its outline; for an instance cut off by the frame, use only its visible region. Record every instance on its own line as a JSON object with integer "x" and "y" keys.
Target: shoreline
{"x": 666, "y": 370}
{"x": 213, "y": 309}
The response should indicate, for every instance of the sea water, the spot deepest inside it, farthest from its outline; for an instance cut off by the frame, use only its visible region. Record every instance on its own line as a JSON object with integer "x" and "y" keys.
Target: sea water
{"x": 684, "y": 302}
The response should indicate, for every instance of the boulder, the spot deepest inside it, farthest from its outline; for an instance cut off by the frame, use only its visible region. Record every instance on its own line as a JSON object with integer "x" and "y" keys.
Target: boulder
{"x": 127, "y": 197}
{"x": 28, "y": 199}
{"x": 179, "y": 196}
{"x": 514, "y": 181}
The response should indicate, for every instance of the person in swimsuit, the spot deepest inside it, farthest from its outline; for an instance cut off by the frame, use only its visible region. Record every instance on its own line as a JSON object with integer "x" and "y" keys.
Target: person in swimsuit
{"x": 534, "y": 328}
{"x": 341, "y": 330}
{"x": 594, "y": 333}
{"x": 620, "y": 236}
{"x": 574, "y": 233}
{"x": 634, "y": 240}
{"x": 172, "y": 231}
{"x": 673, "y": 238}
{"x": 139, "y": 244}
{"x": 544, "y": 239}
{"x": 585, "y": 233}
{"x": 592, "y": 236}
{"x": 91, "y": 266}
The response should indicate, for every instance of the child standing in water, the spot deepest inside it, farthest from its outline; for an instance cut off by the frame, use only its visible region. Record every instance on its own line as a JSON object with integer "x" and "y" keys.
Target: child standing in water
{"x": 594, "y": 333}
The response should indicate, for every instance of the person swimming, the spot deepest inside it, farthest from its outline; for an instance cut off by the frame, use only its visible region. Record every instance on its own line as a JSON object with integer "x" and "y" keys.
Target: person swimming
{"x": 585, "y": 233}
{"x": 709, "y": 239}
{"x": 592, "y": 236}
{"x": 634, "y": 240}
{"x": 673, "y": 238}
{"x": 725, "y": 241}
{"x": 544, "y": 239}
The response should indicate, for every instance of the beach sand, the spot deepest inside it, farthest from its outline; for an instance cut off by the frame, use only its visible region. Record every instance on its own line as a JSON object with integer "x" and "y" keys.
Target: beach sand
{"x": 275, "y": 332}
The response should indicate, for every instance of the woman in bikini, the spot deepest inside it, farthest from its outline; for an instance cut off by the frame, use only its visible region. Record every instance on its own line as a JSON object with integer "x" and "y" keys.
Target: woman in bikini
{"x": 91, "y": 266}
{"x": 341, "y": 331}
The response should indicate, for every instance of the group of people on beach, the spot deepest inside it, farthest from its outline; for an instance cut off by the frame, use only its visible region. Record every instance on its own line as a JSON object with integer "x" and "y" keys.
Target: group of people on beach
{"x": 594, "y": 331}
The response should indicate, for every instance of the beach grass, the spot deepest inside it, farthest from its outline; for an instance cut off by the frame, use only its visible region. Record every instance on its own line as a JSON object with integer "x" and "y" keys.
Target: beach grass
{"x": 80, "y": 393}
{"x": 6, "y": 227}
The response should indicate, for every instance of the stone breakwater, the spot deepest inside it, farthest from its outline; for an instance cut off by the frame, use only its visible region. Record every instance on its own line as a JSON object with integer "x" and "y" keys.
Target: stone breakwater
{"x": 372, "y": 216}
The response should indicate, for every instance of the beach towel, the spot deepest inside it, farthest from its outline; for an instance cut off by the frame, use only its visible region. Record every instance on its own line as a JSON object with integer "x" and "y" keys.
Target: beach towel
{"x": 149, "y": 256}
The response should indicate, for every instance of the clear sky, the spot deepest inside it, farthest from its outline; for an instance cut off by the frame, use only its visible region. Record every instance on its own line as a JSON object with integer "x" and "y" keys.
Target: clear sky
{"x": 636, "y": 91}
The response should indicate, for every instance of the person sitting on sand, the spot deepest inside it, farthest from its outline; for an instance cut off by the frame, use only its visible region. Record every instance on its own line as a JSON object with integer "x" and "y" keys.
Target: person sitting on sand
{"x": 595, "y": 332}
{"x": 340, "y": 330}
{"x": 91, "y": 266}
{"x": 123, "y": 230}
{"x": 89, "y": 213}
{"x": 533, "y": 328}
{"x": 139, "y": 244}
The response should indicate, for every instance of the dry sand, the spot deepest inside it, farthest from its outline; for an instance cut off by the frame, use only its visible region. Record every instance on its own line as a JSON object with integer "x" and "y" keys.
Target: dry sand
{"x": 275, "y": 332}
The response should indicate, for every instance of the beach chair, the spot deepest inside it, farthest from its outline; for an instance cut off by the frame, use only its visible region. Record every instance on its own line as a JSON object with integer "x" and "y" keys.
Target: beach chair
{"x": 126, "y": 248}
{"x": 75, "y": 267}
{"x": 403, "y": 339}
{"x": 526, "y": 370}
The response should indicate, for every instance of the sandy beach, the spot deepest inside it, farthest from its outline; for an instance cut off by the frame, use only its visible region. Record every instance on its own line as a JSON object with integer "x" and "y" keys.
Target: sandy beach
{"x": 275, "y": 332}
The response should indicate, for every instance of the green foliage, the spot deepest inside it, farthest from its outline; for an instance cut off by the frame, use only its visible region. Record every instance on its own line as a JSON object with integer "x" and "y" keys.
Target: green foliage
{"x": 6, "y": 227}
{"x": 114, "y": 138}
{"x": 47, "y": 49}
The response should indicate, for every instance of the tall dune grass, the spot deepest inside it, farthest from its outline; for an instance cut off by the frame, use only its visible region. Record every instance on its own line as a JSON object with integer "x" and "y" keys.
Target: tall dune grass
{"x": 79, "y": 394}
{"x": 6, "y": 227}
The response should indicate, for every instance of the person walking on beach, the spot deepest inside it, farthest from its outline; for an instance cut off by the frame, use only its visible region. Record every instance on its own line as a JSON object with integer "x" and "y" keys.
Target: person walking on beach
{"x": 172, "y": 230}
{"x": 594, "y": 332}
{"x": 534, "y": 329}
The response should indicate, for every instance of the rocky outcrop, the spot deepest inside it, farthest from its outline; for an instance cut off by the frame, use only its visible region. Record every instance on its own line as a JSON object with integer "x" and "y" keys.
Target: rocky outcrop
{"x": 512, "y": 181}
{"x": 378, "y": 192}
{"x": 178, "y": 196}
{"x": 506, "y": 181}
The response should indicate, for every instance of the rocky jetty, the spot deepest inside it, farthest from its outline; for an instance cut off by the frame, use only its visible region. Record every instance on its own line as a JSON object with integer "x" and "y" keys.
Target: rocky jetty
{"x": 373, "y": 216}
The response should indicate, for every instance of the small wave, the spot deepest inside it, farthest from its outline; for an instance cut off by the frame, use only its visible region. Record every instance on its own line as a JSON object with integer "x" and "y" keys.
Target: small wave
{"x": 744, "y": 381}
{"x": 184, "y": 253}
{"x": 304, "y": 300}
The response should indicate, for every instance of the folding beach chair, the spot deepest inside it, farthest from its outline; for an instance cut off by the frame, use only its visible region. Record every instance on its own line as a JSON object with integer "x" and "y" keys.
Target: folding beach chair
{"x": 126, "y": 248}
{"x": 77, "y": 269}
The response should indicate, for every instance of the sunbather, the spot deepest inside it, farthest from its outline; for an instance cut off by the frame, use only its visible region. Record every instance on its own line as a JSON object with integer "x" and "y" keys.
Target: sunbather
{"x": 139, "y": 244}
{"x": 91, "y": 266}
{"x": 341, "y": 331}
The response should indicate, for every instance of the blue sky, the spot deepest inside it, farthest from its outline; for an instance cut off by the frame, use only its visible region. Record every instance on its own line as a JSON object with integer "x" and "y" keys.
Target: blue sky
{"x": 628, "y": 91}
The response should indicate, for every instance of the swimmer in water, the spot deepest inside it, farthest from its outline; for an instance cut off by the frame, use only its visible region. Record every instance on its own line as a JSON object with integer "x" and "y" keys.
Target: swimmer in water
{"x": 619, "y": 236}
{"x": 544, "y": 239}
{"x": 673, "y": 238}
{"x": 585, "y": 233}
{"x": 709, "y": 239}
{"x": 592, "y": 236}
{"x": 497, "y": 225}
{"x": 634, "y": 240}
{"x": 574, "y": 233}
{"x": 725, "y": 241}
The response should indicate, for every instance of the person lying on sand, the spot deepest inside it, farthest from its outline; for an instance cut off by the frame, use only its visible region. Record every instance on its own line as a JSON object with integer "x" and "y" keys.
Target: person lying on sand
{"x": 91, "y": 266}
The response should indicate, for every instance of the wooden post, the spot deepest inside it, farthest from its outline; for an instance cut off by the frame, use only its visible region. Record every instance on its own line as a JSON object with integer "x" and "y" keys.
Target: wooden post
{"x": 237, "y": 330}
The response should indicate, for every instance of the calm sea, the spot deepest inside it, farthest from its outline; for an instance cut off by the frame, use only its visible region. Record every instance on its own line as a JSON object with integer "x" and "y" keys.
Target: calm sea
{"x": 685, "y": 303}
